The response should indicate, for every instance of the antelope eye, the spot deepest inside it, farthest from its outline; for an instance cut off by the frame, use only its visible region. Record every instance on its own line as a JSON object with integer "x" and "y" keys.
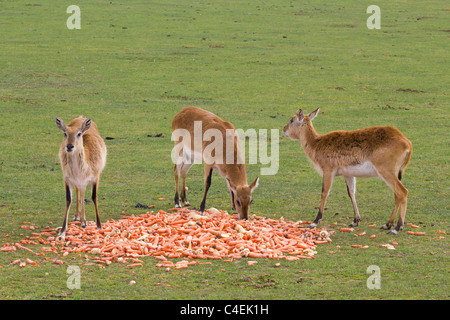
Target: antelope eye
{"x": 238, "y": 202}
{"x": 65, "y": 134}
{"x": 292, "y": 120}
{"x": 78, "y": 134}
{"x": 251, "y": 200}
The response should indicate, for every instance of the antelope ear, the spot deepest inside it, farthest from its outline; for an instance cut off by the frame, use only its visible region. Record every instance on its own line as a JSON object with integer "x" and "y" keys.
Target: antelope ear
{"x": 300, "y": 115}
{"x": 231, "y": 186}
{"x": 86, "y": 125}
{"x": 60, "y": 124}
{"x": 313, "y": 114}
{"x": 254, "y": 184}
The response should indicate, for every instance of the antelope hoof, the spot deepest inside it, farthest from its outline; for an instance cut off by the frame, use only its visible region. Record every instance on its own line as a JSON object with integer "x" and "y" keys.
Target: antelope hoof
{"x": 177, "y": 205}
{"x": 386, "y": 227}
{"x": 60, "y": 238}
{"x": 76, "y": 219}
{"x": 186, "y": 204}
{"x": 353, "y": 224}
{"x": 312, "y": 225}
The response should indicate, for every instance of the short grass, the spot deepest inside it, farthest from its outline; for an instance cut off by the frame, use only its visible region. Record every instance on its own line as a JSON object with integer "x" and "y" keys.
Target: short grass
{"x": 135, "y": 64}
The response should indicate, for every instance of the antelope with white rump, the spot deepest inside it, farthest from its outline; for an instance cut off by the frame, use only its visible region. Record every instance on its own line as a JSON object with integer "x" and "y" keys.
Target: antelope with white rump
{"x": 375, "y": 151}
{"x": 201, "y": 136}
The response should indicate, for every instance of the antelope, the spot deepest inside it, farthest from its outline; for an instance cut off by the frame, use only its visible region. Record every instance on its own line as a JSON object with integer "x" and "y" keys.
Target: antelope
{"x": 190, "y": 151}
{"x": 375, "y": 151}
{"x": 83, "y": 157}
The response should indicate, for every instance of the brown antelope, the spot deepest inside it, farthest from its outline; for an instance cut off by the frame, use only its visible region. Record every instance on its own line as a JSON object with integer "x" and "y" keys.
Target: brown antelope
{"x": 83, "y": 157}
{"x": 370, "y": 152}
{"x": 196, "y": 123}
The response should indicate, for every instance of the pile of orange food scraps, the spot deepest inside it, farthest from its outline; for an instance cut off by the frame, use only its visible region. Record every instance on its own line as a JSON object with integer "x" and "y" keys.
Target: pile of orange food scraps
{"x": 183, "y": 234}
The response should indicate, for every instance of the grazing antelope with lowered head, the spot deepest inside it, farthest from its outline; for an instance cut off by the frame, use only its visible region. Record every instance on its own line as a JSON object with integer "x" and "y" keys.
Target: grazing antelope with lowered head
{"x": 376, "y": 151}
{"x": 192, "y": 131}
{"x": 83, "y": 157}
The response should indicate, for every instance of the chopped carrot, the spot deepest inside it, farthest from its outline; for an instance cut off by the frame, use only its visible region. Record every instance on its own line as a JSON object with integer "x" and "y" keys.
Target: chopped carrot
{"x": 416, "y": 233}
{"x": 182, "y": 234}
{"x": 7, "y": 249}
{"x": 134, "y": 265}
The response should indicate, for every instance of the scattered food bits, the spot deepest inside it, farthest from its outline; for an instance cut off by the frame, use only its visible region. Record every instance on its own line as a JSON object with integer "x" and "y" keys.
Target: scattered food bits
{"x": 7, "y": 249}
{"x": 416, "y": 233}
{"x": 359, "y": 246}
{"x": 133, "y": 265}
{"x": 15, "y": 262}
{"x": 324, "y": 234}
{"x": 388, "y": 246}
{"x": 346, "y": 229}
{"x": 95, "y": 251}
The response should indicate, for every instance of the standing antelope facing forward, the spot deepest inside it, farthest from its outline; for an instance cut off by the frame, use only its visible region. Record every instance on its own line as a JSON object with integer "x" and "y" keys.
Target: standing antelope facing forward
{"x": 192, "y": 123}
{"x": 83, "y": 157}
{"x": 370, "y": 152}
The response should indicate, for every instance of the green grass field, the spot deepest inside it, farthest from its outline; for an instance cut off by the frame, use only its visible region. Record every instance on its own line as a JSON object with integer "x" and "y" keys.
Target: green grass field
{"x": 134, "y": 64}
